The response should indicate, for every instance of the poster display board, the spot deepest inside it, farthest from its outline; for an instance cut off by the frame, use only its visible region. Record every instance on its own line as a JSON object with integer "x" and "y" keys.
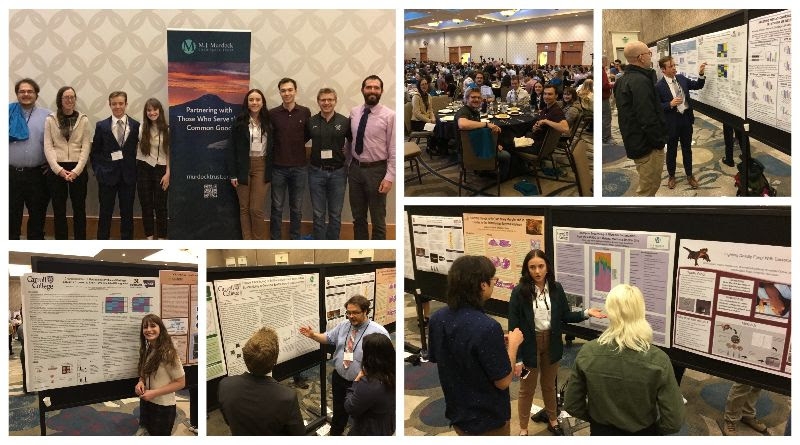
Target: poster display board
{"x": 725, "y": 53}
{"x": 769, "y": 85}
{"x": 385, "y": 296}
{"x": 283, "y": 303}
{"x": 93, "y": 325}
{"x": 215, "y": 359}
{"x": 505, "y": 240}
{"x": 179, "y": 311}
{"x": 590, "y": 262}
{"x": 733, "y": 303}
{"x": 408, "y": 256}
{"x": 339, "y": 289}
{"x": 438, "y": 241}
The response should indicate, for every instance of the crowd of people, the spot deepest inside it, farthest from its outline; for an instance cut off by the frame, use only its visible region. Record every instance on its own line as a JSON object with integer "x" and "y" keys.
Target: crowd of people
{"x": 49, "y": 153}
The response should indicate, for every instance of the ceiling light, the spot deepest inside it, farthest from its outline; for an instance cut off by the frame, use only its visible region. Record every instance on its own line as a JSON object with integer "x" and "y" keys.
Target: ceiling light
{"x": 457, "y": 21}
{"x": 508, "y": 12}
{"x": 18, "y": 270}
{"x": 434, "y": 24}
{"x": 173, "y": 256}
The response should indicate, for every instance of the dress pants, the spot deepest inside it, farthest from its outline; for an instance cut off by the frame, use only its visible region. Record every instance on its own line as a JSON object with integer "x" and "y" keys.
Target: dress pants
{"x": 27, "y": 187}
{"x": 741, "y": 402}
{"x": 364, "y": 196}
{"x": 527, "y": 387}
{"x": 107, "y": 195}
{"x": 152, "y": 198}
{"x": 682, "y": 134}
{"x": 252, "y": 199}
{"x": 339, "y": 387}
{"x": 727, "y": 132}
{"x": 60, "y": 189}
{"x": 649, "y": 168}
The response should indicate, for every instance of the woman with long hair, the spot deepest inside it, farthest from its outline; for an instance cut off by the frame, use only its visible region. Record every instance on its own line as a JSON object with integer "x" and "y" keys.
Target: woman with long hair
{"x": 249, "y": 161}
{"x": 152, "y": 169}
{"x": 67, "y": 145}
{"x": 539, "y": 307}
{"x": 370, "y": 400}
{"x": 571, "y": 105}
{"x": 421, "y": 111}
{"x": 160, "y": 375}
{"x": 622, "y": 357}
{"x": 537, "y": 98}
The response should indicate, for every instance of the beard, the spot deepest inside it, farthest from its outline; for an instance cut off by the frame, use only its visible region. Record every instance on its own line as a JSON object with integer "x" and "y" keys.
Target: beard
{"x": 371, "y": 99}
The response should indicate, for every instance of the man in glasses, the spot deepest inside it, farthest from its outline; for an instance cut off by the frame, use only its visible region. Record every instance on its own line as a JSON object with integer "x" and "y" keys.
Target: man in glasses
{"x": 347, "y": 339}
{"x": 641, "y": 118}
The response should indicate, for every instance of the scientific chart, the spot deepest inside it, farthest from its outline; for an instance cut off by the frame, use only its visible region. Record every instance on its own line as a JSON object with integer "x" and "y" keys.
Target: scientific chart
{"x": 725, "y": 53}
{"x": 769, "y": 86}
{"x": 179, "y": 311}
{"x": 733, "y": 303}
{"x": 82, "y": 329}
{"x": 504, "y": 239}
{"x": 590, "y": 262}
{"x": 385, "y": 296}
{"x": 438, "y": 241}
{"x": 283, "y": 303}
{"x": 215, "y": 359}
{"x": 339, "y": 289}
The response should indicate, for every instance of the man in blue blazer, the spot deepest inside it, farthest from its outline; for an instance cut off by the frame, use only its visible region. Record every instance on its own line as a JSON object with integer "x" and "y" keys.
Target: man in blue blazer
{"x": 113, "y": 160}
{"x": 673, "y": 90}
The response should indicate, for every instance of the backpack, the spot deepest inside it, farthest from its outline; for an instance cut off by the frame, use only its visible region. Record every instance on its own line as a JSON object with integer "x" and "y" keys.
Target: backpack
{"x": 757, "y": 183}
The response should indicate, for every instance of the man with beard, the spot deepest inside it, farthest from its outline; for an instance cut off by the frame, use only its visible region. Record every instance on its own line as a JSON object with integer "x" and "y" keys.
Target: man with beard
{"x": 371, "y": 170}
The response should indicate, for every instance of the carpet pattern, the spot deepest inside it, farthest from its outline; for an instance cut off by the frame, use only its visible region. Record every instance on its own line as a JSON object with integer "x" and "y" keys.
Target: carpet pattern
{"x": 708, "y": 150}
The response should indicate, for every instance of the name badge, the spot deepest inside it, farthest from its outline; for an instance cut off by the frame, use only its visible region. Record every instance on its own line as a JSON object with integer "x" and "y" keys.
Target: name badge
{"x": 348, "y": 356}
{"x": 326, "y": 154}
{"x": 116, "y": 155}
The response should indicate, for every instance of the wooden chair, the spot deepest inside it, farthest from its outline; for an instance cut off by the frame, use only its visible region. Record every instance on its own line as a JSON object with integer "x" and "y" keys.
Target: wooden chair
{"x": 583, "y": 175}
{"x": 418, "y": 135}
{"x": 412, "y": 154}
{"x": 551, "y": 139}
{"x": 469, "y": 161}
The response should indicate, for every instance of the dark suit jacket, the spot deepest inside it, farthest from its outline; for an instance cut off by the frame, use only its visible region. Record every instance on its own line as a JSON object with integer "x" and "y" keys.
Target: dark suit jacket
{"x": 237, "y": 157}
{"x": 520, "y": 315}
{"x": 665, "y": 96}
{"x": 110, "y": 172}
{"x": 259, "y": 406}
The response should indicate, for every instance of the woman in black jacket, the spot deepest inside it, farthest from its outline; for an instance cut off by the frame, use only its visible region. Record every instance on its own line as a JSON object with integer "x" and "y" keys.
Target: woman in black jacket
{"x": 370, "y": 400}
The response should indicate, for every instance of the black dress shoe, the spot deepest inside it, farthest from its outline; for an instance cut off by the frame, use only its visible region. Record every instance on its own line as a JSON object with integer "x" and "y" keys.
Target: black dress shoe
{"x": 728, "y": 162}
{"x": 556, "y": 430}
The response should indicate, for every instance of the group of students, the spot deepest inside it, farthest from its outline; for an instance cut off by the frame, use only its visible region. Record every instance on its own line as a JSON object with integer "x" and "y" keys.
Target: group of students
{"x": 49, "y": 152}
{"x": 477, "y": 360}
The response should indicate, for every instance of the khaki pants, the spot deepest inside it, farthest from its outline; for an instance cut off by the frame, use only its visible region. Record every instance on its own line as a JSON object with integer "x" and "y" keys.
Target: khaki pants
{"x": 252, "y": 199}
{"x": 741, "y": 402}
{"x": 649, "y": 168}
{"x": 527, "y": 387}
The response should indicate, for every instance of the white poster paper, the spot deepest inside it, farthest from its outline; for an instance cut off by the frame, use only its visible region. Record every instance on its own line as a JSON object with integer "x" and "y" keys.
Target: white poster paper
{"x": 769, "y": 86}
{"x": 339, "y": 289}
{"x": 385, "y": 296}
{"x": 408, "y": 256}
{"x": 438, "y": 241}
{"x": 215, "y": 358}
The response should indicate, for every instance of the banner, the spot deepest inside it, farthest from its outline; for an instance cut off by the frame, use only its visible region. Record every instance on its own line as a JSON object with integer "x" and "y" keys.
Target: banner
{"x": 208, "y": 76}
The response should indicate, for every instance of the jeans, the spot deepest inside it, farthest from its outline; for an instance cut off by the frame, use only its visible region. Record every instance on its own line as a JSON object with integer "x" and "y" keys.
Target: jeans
{"x": 294, "y": 179}
{"x": 327, "y": 198}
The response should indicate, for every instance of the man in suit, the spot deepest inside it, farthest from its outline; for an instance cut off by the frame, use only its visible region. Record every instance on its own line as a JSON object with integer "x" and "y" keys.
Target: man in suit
{"x": 672, "y": 90}
{"x": 113, "y": 160}
{"x": 254, "y": 403}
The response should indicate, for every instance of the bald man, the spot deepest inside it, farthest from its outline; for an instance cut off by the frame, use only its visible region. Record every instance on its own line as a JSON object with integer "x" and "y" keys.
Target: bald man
{"x": 641, "y": 119}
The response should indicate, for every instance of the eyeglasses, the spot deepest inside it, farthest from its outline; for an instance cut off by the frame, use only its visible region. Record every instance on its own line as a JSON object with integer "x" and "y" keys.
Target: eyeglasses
{"x": 69, "y": 98}
{"x": 348, "y": 313}
{"x": 26, "y": 92}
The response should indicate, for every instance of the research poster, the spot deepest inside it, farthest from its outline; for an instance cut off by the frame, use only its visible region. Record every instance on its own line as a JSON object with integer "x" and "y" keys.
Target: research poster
{"x": 725, "y": 53}
{"x": 590, "y": 262}
{"x": 215, "y": 359}
{"x": 734, "y": 303}
{"x": 82, "y": 329}
{"x": 339, "y": 289}
{"x": 385, "y": 296}
{"x": 505, "y": 240}
{"x": 283, "y": 303}
{"x": 438, "y": 241}
{"x": 179, "y": 311}
{"x": 769, "y": 86}
{"x": 408, "y": 257}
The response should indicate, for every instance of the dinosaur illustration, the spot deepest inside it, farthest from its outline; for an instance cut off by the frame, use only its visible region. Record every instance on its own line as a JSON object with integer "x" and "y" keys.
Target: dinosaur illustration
{"x": 702, "y": 253}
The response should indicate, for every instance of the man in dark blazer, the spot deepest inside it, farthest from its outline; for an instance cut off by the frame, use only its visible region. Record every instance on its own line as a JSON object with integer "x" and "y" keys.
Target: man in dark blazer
{"x": 113, "y": 160}
{"x": 673, "y": 90}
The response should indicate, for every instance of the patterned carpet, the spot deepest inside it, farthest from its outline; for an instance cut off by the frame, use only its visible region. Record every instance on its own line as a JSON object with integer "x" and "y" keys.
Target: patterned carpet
{"x": 114, "y": 418}
{"x": 708, "y": 149}
{"x": 440, "y": 178}
{"x": 705, "y": 395}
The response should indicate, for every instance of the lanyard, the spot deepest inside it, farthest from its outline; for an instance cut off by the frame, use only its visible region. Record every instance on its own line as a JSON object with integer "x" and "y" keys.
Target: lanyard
{"x": 359, "y": 338}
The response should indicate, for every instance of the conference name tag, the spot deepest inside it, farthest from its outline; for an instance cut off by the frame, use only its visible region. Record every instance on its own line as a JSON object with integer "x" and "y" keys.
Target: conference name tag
{"x": 116, "y": 155}
{"x": 348, "y": 356}
{"x": 326, "y": 154}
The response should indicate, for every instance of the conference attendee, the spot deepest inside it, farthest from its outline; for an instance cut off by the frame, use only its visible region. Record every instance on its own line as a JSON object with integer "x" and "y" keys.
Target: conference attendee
{"x": 370, "y": 401}
{"x": 113, "y": 159}
{"x": 620, "y": 383}
{"x": 728, "y": 132}
{"x": 608, "y": 86}
{"x": 249, "y": 163}
{"x": 289, "y": 171}
{"x": 469, "y": 118}
{"x": 517, "y": 94}
{"x": 421, "y": 111}
{"x": 641, "y": 118}
{"x": 475, "y": 367}
{"x": 741, "y": 406}
{"x": 551, "y": 116}
{"x": 27, "y": 186}
{"x": 348, "y": 356}
{"x": 480, "y": 83}
{"x": 152, "y": 169}
{"x": 673, "y": 90}
{"x": 371, "y": 171}
{"x": 537, "y": 98}
{"x": 539, "y": 308}
{"x": 571, "y": 107}
{"x": 254, "y": 403}
{"x": 586, "y": 96}
{"x": 327, "y": 176}
{"x": 160, "y": 375}
{"x": 67, "y": 144}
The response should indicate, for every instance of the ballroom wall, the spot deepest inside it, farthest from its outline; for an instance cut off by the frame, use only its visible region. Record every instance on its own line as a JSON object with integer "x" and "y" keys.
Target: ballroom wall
{"x": 98, "y": 51}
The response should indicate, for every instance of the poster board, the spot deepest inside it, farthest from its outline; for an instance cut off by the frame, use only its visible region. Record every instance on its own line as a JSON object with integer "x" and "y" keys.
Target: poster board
{"x": 733, "y": 303}
{"x": 438, "y": 241}
{"x": 769, "y": 86}
{"x": 408, "y": 256}
{"x": 179, "y": 311}
{"x": 215, "y": 358}
{"x": 385, "y": 296}
{"x": 339, "y": 289}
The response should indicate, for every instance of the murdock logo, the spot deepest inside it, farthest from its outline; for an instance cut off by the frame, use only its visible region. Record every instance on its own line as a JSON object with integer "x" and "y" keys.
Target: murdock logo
{"x": 188, "y": 46}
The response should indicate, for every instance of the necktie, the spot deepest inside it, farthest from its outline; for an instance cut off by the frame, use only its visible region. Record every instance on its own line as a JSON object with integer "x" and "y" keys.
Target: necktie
{"x": 679, "y": 93}
{"x": 362, "y": 126}
{"x": 120, "y": 132}
{"x": 351, "y": 339}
